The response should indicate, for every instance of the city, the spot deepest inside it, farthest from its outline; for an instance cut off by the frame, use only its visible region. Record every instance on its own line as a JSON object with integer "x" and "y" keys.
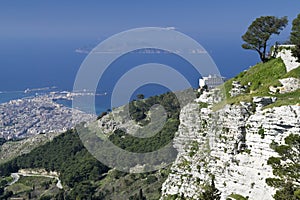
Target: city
{"x": 37, "y": 115}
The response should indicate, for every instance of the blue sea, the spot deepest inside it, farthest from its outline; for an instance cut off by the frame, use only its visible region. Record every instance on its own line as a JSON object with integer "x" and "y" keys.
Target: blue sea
{"x": 39, "y": 63}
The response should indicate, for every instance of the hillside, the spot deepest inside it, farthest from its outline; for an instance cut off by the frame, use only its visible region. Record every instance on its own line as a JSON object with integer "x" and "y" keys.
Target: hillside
{"x": 81, "y": 174}
{"x": 257, "y": 80}
{"x": 13, "y": 148}
{"x": 237, "y": 141}
{"x": 229, "y": 142}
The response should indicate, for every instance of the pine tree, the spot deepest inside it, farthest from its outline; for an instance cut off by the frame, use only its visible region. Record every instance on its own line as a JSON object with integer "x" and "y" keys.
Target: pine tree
{"x": 260, "y": 31}
{"x": 295, "y": 37}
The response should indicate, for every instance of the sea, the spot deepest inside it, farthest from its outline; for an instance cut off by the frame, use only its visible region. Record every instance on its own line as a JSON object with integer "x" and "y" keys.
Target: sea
{"x": 33, "y": 66}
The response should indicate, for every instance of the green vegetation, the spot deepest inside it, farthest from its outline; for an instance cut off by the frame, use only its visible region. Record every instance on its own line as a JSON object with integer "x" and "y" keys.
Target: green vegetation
{"x": 248, "y": 151}
{"x": 295, "y": 37}
{"x": 66, "y": 155}
{"x": 291, "y": 98}
{"x": 176, "y": 197}
{"x": 293, "y": 73}
{"x": 286, "y": 168}
{"x": 210, "y": 191}
{"x": 236, "y": 197}
{"x": 261, "y": 132}
{"x": 203, "y": 105}
{"x": 119, "y": 185}
{"x": 260, "y": 31}
{"x": 140, "y": 113}
{"x": 261, "y": 77}
{"x": 139, "y": 108}
{"x": 34, "y": 187}
{"x": 142, "y": 145}
{"x": 82, "y": 176}
{"x": 194, "y": 148}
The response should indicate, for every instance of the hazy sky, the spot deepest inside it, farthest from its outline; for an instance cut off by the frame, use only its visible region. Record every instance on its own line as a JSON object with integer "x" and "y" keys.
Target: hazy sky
{"x": 98, "y": 18}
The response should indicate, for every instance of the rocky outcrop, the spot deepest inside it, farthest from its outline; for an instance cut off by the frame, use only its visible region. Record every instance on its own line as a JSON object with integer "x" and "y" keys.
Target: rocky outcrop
{"x": 261, "y": 102}
{"x": 118, "y": 119}
{"x": 237, "y": 89}
{"x": 233, "y": 144}
{"x": 286, "y": 55}
{"x": 288, "y": 85}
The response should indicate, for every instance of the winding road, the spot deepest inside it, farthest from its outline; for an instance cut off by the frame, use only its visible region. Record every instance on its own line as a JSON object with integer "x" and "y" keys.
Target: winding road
{"x": 16, "y": 177}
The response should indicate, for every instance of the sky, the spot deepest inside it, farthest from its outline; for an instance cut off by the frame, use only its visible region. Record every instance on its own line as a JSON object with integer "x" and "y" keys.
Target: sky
{"x": 94, "y": 18}
{"x": 27, "y": 26}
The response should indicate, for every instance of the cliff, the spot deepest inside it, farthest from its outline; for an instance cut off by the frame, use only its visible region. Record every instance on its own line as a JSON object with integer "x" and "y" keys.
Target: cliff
{"x": 235, "y": 151}
{"x": 231, "y": 141}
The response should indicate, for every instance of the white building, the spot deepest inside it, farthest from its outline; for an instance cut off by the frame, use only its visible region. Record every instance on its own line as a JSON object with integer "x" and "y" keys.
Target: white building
{"x": 211, "y": 81}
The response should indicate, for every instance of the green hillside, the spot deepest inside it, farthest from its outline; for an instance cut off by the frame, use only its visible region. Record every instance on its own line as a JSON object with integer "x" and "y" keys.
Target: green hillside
{"x": 84, "y": 177}
{"x": 257, "y": 81}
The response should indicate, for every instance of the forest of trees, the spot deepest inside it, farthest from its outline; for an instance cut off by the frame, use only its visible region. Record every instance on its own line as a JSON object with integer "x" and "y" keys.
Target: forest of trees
{"x": 66, "y": 155}
{"x": 138, "y": 110}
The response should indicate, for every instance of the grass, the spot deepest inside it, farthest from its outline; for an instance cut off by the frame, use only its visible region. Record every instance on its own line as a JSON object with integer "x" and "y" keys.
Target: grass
{"x": 293, "y": 73}
{"x": 292, "y": 98}
{"x": 261, "y": 77}
{"x": 35, "y": 180}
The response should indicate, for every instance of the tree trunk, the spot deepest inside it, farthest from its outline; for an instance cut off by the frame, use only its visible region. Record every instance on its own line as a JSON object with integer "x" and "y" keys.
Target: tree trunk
{"x": 261, "y": 56}
{"x": 264, "y": 59}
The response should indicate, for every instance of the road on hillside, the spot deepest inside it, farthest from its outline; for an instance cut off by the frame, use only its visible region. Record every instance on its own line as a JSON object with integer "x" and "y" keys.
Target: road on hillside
{"x": 16, "y": 177}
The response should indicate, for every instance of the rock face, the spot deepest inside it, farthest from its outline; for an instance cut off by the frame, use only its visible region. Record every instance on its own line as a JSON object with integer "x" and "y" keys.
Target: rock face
{"x": 288, "y": 85}
{"x": 286, "y": 55}
{"x": 261, "y": 102}
{"x": 237, "y": 89}
{"x": 233, "y": 144}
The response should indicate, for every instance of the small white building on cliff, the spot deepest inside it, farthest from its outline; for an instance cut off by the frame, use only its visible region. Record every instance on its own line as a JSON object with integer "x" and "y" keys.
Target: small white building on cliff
{"x": 211, "y": 81}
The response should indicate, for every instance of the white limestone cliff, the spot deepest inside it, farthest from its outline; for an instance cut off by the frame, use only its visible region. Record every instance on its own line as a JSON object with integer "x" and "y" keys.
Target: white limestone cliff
{"x": 233, "y": 144}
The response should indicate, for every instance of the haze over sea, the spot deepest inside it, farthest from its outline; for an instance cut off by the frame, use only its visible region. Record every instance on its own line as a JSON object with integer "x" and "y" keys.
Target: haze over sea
{"x": 39, "y": 63}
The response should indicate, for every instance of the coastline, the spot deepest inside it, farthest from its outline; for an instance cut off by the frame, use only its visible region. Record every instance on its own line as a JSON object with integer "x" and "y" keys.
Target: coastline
{"x": 33, "y": 115}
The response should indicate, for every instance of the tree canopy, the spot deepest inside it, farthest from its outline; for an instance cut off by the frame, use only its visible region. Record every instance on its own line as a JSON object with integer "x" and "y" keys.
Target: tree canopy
{"x": 210, "y": 191}
{"x": 286, "y": 168}
{"x": 295, "y": 37}
{"x": 260, "y": 31}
